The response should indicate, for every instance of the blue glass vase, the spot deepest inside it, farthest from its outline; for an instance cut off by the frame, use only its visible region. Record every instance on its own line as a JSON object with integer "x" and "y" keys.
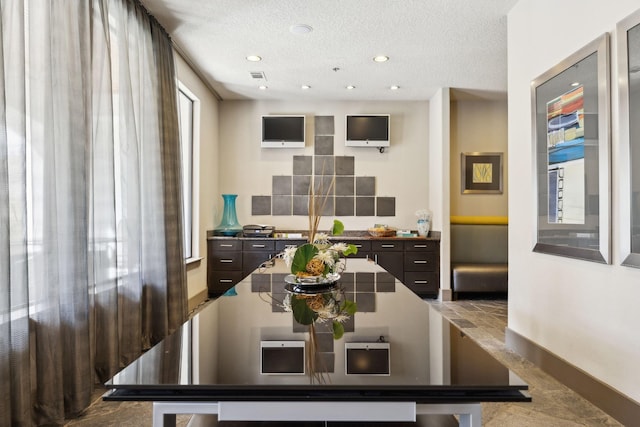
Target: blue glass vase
{"x": 229, "y": 225}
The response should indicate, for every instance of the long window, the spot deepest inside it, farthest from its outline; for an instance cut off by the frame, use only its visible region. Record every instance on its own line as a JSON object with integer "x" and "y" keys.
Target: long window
{"x": 189, "y": 112}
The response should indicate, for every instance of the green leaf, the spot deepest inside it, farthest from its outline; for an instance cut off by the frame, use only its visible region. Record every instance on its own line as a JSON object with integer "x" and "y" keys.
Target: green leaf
{"x": 301, "y": 311}
{"x": 303, "y": 255}
{"x": 338, "y": 228}
{"x": 338, "y": 330}
{"x": 351, "y": 250}
{"x": 350, "y": 307}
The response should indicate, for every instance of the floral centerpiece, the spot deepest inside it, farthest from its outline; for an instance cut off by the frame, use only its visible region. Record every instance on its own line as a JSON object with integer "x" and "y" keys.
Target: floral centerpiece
{"x": 326, "y": 307}
{"x": 315, "y": 295}
{"x": 319, "y": 259}
{"x": 317, "y": 265}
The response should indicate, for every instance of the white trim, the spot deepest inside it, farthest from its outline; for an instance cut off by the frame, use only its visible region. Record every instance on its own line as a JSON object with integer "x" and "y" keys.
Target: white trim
{"x": 470, "y": 414}
{"x": 193, "y": 260}
{"x": 195, "y": 174}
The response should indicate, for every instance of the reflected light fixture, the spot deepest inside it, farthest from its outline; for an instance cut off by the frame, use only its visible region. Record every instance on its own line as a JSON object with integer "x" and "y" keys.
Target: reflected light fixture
{"x": 254, "y": 58}
{"x": 305, "y": 87}
{"x": 381, "y": 58}
{"x": 263, "y": 87}
{"x": 575, "y": 84}
{"x": 350, "y": 87}
{"x": 394, "y": 87}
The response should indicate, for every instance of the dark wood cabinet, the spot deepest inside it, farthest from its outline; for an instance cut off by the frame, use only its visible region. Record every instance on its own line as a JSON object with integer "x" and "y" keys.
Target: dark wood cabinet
{"x": 422, "y": 267}
{"x": 415, "y": 262}
{"x": 224, "y": 264}
{"x": 255, "y": 252}
{"x": 389, "y": 255}
{"x": 364, "y": 248}
{"x": 281, "y": 244}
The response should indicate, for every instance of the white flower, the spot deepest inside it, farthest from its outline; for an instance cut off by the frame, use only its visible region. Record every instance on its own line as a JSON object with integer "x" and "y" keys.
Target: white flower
{"x": 321, "y": 238}
{"x": 326, "y": 257}
{"x": 286, "y": 303}
{"x": 327, "y": 311}
{"x": 339, "y": 247}
{"x": 341, "y": 317}
{"x": 289, "y": 253}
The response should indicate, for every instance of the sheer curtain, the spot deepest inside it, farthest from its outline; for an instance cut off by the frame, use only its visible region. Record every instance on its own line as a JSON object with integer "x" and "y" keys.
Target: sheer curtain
{"x": 91, "y": 257}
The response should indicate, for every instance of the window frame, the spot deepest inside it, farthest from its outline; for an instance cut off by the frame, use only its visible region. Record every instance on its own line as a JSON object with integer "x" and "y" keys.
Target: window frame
{"x": 195, "y": 172}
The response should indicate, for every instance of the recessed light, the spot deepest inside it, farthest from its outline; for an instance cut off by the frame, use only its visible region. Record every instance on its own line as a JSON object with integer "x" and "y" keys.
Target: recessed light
{"x": 574, "y": 84}
{"x": 300, "y": 29}
{"x": 394, "y": 87}
{"x": 305, "y": 87}
{"x": 254, "y": 58}
{"x": 381, "y": 58}
{"x": 263, "y": 87}
{"x": 350, "y": 87}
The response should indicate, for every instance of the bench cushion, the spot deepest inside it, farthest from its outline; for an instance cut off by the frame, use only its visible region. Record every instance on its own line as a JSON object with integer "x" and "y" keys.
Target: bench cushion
{"x": 473, "y": 277}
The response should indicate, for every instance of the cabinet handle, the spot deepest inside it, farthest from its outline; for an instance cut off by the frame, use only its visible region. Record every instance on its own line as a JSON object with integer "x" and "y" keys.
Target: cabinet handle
{"x": 420, "y": 282}
{"x": 419, "y": 246}
{"x": 226, "y": 280}
{"x": 420, "y": 261}
{"x": 257, "y": 246}
{"x": 226, "y": 260}
{"x": 375, "y": 258}
{"x": 358, "y": 246}
{"x": 226, "y": 245}
{"x": 388, "y": 246}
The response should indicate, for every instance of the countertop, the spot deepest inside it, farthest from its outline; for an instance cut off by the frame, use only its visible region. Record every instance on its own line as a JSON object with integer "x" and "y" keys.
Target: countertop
{"x": 347, "y": 235}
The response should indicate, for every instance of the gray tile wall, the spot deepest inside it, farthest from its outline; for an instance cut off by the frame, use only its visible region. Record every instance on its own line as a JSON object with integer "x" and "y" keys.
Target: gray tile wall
{"x": 347, "y": 193}
{"x": 359, "y": 287}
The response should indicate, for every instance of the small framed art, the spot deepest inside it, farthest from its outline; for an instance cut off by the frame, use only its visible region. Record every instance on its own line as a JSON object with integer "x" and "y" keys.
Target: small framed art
{"x": 481, "y": 173}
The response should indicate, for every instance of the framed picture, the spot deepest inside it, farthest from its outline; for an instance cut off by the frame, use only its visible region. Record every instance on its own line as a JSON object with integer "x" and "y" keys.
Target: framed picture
{"x": 571, "y": 150}
{"x": 481, "y": 173}
{"x": 628, "y": 43}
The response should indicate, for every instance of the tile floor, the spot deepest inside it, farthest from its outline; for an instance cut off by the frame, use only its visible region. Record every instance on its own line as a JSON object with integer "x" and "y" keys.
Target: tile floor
{"x": 554, "y": 405}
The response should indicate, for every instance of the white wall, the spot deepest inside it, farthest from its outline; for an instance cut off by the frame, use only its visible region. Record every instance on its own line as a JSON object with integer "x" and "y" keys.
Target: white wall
{"x": 584, "y": 312}
{"x": 208, "y": 177}
{"x": 401, "y": 171}
{"x": 439, "y": 191}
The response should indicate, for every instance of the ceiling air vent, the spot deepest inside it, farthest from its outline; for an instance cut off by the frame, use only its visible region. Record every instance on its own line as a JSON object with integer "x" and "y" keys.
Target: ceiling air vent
{"x": 257, "y": 75}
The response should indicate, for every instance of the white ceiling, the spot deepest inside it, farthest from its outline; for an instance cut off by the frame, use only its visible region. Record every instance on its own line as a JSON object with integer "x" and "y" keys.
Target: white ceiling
{"x": 461, "y": 44}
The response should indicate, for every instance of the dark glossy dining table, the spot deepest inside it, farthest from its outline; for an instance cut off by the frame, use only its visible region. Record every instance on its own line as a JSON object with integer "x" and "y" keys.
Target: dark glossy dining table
{"x": 221, "y": 363}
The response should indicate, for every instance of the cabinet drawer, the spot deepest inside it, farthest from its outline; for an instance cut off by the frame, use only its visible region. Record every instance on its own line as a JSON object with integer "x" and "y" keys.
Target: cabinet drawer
{"x": 386, "y": 245}
{"x": 282, "y": 244}
{"x": 252, "y": 260}
{"x": 363, "y": 246}
{"x": 220, "y": 281}
{"x": 420, "y": 261}
{"x": 226, "y": 261}
{"x": 258, "y": 245}
{"x": 423, "y": 284}
{"x": 225, "y": 245}
{"x": 390, "y": 261}
{"x": 421, "y": 245}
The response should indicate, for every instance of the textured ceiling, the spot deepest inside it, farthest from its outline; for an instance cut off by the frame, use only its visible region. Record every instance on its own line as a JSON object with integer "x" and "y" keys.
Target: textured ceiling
{"x": 431, "y": 44}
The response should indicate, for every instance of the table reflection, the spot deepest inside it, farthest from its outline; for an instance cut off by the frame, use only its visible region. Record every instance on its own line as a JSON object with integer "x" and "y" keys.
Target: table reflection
{"x": 222, "y": 345}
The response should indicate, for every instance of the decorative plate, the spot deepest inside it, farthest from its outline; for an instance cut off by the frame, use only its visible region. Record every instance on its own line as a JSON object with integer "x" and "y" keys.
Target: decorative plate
{"x": 311, "y": 281}
{"x": 309, "y": 290}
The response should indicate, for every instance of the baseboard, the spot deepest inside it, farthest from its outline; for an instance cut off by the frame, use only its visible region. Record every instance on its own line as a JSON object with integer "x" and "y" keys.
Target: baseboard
{"x": 446, "y": 295}
{"x": 611, "y": 401}
{"x": 197, "y": 300}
